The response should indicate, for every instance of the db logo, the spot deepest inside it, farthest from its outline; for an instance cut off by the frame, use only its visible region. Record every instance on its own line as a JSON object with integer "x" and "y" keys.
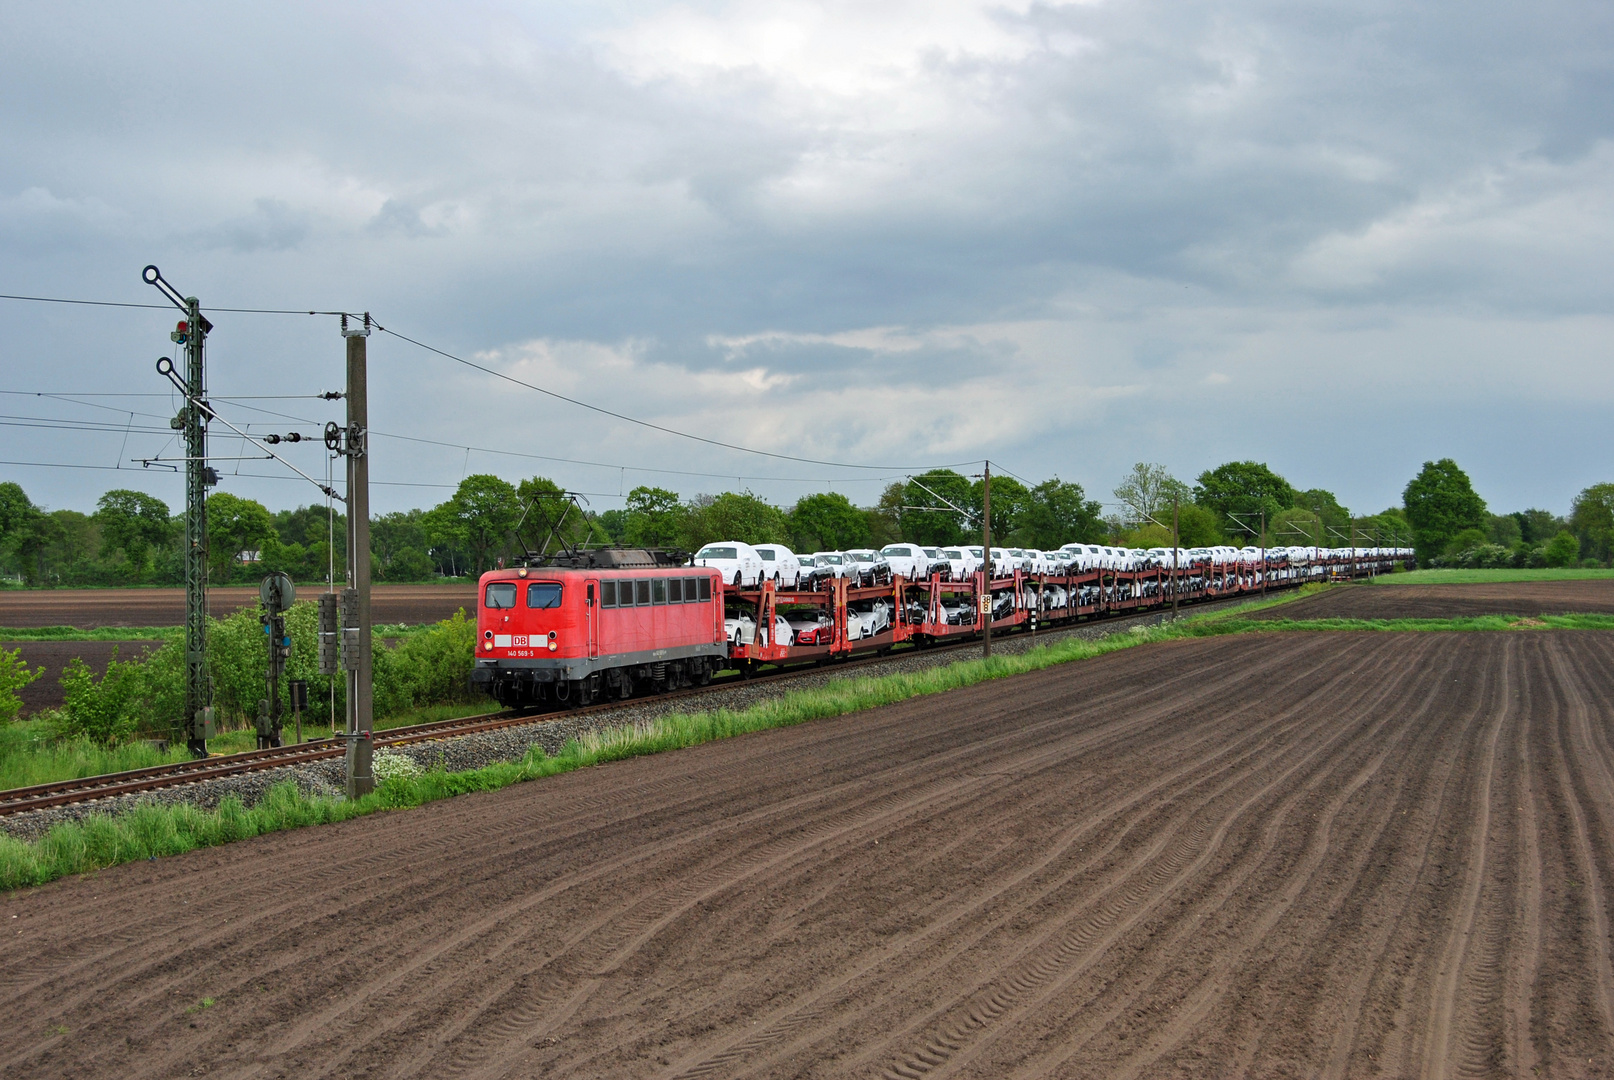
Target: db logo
{"x": 519, "y": 641}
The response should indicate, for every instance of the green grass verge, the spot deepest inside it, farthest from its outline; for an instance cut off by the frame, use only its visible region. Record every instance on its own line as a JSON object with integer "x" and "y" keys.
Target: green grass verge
{"x": 152, "y": 830}
{"x": 31, "y": 752}
{"x": 1475, "y": 577}
{"x": 104, "y": 633}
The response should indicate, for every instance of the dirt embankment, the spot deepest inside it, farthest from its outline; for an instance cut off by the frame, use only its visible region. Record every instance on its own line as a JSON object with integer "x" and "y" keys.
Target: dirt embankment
{"x": 1451, "y": 601}
{"x": 1320, "y": 855}
{"x": 90, "y": 609}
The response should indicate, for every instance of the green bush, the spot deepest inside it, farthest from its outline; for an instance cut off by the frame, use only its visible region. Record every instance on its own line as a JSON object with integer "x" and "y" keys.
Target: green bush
{"x": 1563, "y": 550}
{"x": 14, "y": 675}
{"x": 431, "y": 666}
{"x": 105, "y": 711}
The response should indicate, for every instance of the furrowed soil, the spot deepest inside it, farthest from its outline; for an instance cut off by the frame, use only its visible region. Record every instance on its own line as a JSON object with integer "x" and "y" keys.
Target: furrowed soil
{"x": 1307, "y": 855}
{"x": 1451, "y": 601}
{"x": 91, "y": 609}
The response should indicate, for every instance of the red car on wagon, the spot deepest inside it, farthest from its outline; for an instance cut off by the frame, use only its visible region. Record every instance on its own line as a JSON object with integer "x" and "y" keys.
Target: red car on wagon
{"x": 596, "y": 624}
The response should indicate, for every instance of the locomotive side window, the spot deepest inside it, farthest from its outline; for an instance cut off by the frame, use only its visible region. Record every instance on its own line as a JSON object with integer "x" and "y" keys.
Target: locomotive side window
{"x": 607, "y": 594}
{"x": 692, "y": 590}
{"x": 706, "y": 588}
{"x": 502, "y": 595}
{"x": 675, "y": 590}
{"x": 543, "y": 594}
{"x": 658, "y": 590}
{"x": 642, "y": 588}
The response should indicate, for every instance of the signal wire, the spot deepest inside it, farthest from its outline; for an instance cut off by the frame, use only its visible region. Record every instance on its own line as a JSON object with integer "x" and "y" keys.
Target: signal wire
{"x": 646, "y": 423}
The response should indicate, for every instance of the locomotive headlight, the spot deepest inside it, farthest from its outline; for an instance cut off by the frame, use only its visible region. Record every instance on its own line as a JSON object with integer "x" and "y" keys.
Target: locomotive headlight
{"x": 487, "y": 646}
{"x": 488, "y": 634}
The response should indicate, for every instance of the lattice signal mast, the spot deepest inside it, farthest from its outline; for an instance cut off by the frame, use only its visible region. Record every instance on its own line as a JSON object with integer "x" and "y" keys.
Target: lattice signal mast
{"x": 192, "y": 420}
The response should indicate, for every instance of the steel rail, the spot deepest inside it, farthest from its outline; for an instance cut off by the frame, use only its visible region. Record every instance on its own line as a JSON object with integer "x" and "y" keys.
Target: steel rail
{"x": 134, "y": 781}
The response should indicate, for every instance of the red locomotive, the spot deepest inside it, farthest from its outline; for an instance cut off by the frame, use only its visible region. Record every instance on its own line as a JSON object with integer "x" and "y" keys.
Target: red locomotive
{"x": 597, "y": 624}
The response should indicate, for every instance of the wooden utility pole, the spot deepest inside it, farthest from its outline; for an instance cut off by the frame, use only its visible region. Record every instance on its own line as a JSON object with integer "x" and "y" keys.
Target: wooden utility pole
{"x": 1175, "y": 558}
{"x": 1263, "y": 552}
{"x": 986, "y": 560}
{"x": 360, "y": 700}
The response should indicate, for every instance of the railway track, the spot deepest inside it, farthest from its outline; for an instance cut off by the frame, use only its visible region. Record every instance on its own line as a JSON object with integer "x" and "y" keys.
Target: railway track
{"x": 134, "y": 781}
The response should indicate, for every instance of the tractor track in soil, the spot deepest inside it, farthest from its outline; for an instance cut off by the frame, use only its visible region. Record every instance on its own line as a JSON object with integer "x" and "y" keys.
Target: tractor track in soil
{"x": 1352, "y": 854}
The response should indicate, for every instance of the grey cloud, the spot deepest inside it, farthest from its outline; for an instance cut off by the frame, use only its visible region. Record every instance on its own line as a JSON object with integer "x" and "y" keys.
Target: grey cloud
{"x": 271, "y": 226}
{"x": 1185, "y": 185}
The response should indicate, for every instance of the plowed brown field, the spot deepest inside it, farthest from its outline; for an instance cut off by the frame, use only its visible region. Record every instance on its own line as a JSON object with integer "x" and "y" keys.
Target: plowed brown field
{"x": 90, "y": 609}
{"x": 1296, "y": 855}
{"x": 1451, "y": 601}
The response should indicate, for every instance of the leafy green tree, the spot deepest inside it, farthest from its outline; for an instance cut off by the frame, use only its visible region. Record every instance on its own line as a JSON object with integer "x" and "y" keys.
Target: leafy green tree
{"x": 234, "y": 525}
{"x": 940, "y": 489}
{"x": 827, "y": 522}
{"x": 1145, "y": 536}
{"x": 16, "y": 510}
{"x": 1591, "y": 518}
{"x": 1245, "y": 489}
{"x": 1467, "y": 540}
{"x": 477, "y": 518}
{"x": 545, "y": 505}
{"x": 1441, "y": 502}
{"x": 1503, "y": 530}
{"x": 1009, "y": 501}
{"x": 1335, "y": 518}
{"x": 133, "y": 522}
{"x": 19, "y": 522}
{"x": 399, "y": 546}
{"x": 734, "y": 516}
{"x": 1539, "y": 526}
{"x": 654, "y": 518}
{"x": 1199, "y": 526}
{"x": 1059, "y": 513}
{"x": 1563, "y": 550}
{"x": 1146, "y": 493}
{"x": 60, "y": 547}
{"x": 1296, "y": 527}
{"x": 614, "y": 524}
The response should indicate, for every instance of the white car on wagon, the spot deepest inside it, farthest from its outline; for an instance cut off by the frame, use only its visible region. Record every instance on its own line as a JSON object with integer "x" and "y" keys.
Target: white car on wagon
{"x": 738, "y": 562}
{"x": 779, "y": 565}
{"x": 909, "y": 560}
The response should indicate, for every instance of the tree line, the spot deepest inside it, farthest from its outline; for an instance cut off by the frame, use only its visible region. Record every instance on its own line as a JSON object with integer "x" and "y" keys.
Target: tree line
{"x": 132, "y": 538}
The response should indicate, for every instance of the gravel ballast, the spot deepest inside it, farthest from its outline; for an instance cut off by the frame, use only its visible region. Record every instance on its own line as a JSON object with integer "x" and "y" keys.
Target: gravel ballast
{"x": 473, "y": 751}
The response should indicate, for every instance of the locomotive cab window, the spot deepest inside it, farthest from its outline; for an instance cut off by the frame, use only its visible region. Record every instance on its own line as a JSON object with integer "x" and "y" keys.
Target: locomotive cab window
{"x": 675, "y": 590}
{"x": 543, "y": 594}
{"x": 501, "y": 594}
{"x": 706, "y": 588}
{"x": 607, "y": 594}
{"x": 658, "y": 590}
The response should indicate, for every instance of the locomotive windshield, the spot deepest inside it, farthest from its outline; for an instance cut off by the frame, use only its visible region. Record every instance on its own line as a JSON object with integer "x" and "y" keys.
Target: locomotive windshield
{"x": 543, "y": 594}
{"x": 501, "y": 595}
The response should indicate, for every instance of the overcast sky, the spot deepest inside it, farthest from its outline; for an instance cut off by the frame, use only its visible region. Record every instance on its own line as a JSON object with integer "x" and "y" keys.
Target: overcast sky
{"x": 1339, "y": 238}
